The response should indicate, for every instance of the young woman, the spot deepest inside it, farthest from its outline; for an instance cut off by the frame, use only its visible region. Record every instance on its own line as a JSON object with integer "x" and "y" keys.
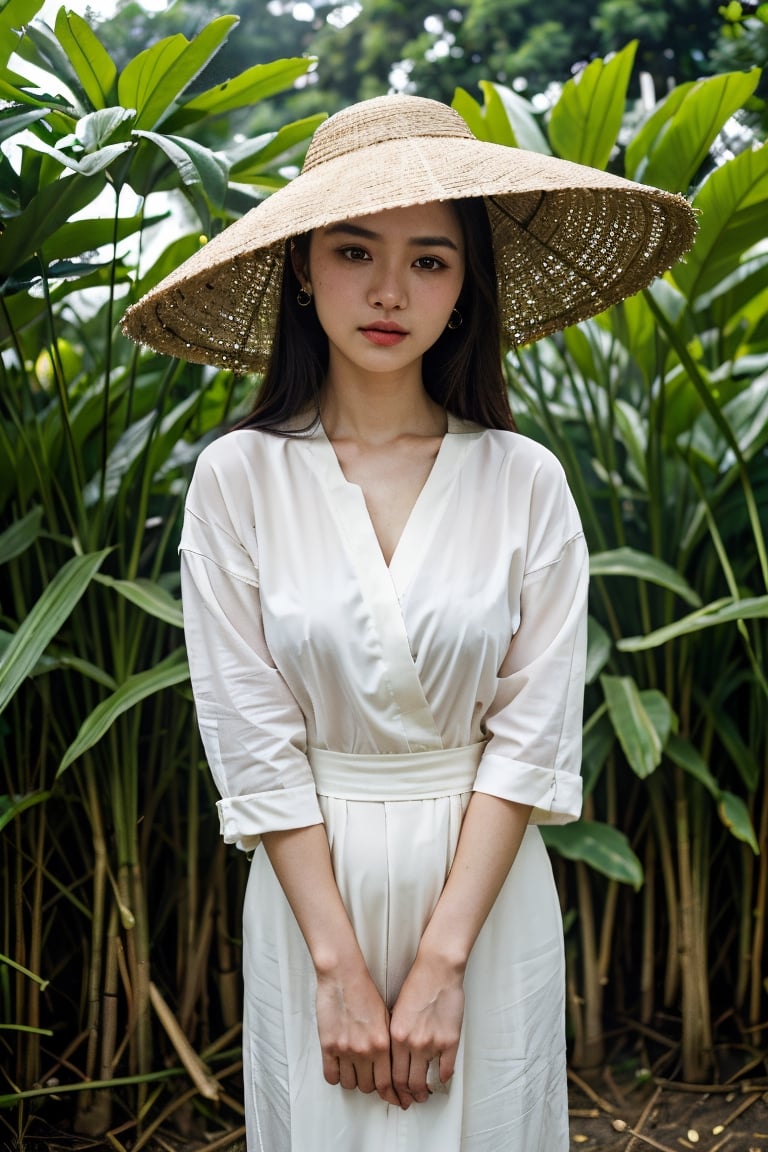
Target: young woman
{"x": 385, "y": 605}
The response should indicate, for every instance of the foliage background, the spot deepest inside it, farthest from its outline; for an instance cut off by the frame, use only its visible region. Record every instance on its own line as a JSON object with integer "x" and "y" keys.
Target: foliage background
{"x": 113, "y": 170}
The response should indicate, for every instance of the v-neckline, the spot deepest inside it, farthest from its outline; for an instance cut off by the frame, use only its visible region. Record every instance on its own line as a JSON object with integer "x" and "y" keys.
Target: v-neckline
{"x": 417, "y": 527}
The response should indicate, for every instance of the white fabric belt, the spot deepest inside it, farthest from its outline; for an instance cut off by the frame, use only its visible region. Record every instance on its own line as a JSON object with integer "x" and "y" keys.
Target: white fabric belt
{"x": 401, "y": 776}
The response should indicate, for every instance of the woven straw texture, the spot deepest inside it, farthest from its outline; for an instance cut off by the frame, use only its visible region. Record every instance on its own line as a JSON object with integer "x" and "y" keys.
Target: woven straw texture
{"x": 569, "y": 241}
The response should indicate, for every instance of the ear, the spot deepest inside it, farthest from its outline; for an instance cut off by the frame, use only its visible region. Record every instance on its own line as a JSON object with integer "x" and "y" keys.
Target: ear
{"x": 299, "y": 265}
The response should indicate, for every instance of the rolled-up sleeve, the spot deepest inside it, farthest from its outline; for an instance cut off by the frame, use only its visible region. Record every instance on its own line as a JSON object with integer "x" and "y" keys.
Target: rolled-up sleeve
{"x": 533, "y": 754}
{"x": 252, "y": 728}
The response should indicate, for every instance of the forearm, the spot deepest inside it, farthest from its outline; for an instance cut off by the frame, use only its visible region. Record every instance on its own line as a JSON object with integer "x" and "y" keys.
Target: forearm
{"x": 488, "y": 844}
{"x": 301, "y": 859}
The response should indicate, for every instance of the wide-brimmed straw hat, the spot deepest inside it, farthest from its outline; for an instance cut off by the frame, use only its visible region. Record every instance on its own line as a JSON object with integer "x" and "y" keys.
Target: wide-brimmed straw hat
{"x": 569, "y": 240}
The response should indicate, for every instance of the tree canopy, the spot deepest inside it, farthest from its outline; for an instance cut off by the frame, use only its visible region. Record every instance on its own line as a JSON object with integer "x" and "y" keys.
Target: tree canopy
{"x": 367, "y": 47}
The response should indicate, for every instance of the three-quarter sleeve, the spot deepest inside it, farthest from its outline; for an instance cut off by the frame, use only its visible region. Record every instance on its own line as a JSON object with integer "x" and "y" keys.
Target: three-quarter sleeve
{"x": 252, "y": 728}
{"x": 534, "y": 724}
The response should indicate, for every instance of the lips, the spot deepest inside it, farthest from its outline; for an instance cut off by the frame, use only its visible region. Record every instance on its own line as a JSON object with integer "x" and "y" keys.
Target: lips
{"x": 384, "y": 333}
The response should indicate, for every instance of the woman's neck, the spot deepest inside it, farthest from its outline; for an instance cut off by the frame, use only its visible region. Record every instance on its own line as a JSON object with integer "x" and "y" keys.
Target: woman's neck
{"x": 379, "y": 409}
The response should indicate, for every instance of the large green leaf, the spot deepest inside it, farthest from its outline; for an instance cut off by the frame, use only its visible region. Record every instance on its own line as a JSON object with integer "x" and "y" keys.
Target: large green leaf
{"x": 641, "y": 566}
{"x": 21, "y": 534}
{"x": 671, "y": 147}
{"x": 41, "y": 47}
{"x": 46, "y": 212}
{"x": 79, "y": 236}
{"x": 153, "y": 81}
{"x": 12, "y": 121}
{"x": 168, "y": 673}
{"x": 681, "y": 752}
{"x": 724, "y": 611}
{"x": 151, "y": 597}
{"x": 505, "y": 118}
{"x": 604, "y": 848}
{"x": 194, "y": 163}
{"x": 256, "y": 83}
{"x": 90, "y": 60}
{"x": 13, "y": 806}
{"x": 735, "y": 815}
{"x": 733, "y": 209}
{"x": 599, "y": 647}
{"x": 249, "y": 161}
{"x": 44, "y": 620}
{"x": 632, "y": 724}
{"x": 585, "y": 122}
{"x": 14, "y": 15}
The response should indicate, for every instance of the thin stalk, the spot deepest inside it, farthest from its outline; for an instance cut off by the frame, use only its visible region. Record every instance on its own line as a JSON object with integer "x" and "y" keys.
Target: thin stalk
{"x": 757, "y": 975}
{"x": 648, "y": 940}
{"x": 97, "y": 941}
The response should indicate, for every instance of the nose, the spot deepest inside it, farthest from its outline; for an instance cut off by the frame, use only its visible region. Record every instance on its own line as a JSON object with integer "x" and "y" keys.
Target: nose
{"x": 386, "y": 289}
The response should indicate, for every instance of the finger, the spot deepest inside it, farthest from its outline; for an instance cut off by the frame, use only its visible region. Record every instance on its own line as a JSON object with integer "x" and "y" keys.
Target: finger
{"x": 401, "y": 1070}
{"x": 347, "y": 1074}
{"x": 331, "y": 1069}
{"x": 382, "y": 1078}
{"x": 417, "y": 1080}
{"x": 364, "y": 1074}
{"x": 448, "y": 1063}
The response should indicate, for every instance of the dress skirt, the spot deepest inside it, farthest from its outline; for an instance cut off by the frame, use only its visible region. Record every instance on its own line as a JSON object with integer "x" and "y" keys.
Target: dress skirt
{"x": 393, "y": 823}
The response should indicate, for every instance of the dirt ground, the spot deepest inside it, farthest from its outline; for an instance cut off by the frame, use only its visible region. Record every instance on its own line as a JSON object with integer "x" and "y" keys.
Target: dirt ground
{"x": 618, "y": 1108}
{"x": 668, "y": 1117}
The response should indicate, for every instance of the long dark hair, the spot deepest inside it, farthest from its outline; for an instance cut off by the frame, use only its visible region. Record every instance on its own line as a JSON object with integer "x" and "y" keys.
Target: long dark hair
{"x": 462, "y": 371}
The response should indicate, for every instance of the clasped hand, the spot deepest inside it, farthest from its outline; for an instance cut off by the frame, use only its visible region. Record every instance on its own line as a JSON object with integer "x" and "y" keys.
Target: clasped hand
{"x": 364, "y": 1048}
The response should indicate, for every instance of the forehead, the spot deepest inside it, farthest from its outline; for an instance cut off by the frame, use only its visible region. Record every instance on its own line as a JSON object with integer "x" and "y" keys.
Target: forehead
{"x": 435, "y": 218}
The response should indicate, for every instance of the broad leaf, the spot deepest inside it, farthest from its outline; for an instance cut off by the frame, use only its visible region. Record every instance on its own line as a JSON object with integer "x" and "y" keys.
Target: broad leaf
{"x": 604, "y": 848}
{"x": 724, "y": 611}
{"x": 735, "y": 815}
{"x": 733, "y": 208}
{"x": 598, "y": 649}
{"x": 90, "y": 60}
{"x": 21, "y": 534}
{"x": 256, "y": 83}
{"x": 12, "y": 121}
{"x": 274, "y": 148}
{"x": 14, "y": 15}
{"x": 585, "y": 122}
{"x": 673, "y": 144}
{"x": 53, "y": 206}
{"x": 505, "y": 118}
{"x": 681, "y": 752}
{"x": 154, "y": 80}
{"x": 194, "y": 163}
{"x": 45, "y": 619}
{"x": 632, "y": 724}
{"x": 641, "y": 566}
{"x": 13, "y": 806}
{"x": 151, "y": 597}
{"x": 169, "y": 672}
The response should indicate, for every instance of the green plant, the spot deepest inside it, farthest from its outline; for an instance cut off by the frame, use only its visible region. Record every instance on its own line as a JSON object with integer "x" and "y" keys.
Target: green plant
{"x": 103, "y": 848}
{"x": 658, "y": 410}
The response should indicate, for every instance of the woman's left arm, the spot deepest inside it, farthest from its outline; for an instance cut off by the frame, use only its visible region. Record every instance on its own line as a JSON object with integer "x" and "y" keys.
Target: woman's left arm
{"x": 531, "y": 762}
{"x": 427, "y": 1017}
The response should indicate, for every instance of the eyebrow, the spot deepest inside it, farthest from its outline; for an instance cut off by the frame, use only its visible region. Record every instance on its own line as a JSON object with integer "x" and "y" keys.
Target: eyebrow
{"x": 368, "y": 234}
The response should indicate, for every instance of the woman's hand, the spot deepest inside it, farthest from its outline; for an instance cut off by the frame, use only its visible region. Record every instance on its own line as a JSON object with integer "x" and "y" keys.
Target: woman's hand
{"x": 353, "y": 1023}
{"x": 426, "y": 1026}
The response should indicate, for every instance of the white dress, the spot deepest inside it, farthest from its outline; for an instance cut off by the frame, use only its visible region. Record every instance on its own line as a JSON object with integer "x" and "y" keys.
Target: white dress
{"x": 333, "y": 688}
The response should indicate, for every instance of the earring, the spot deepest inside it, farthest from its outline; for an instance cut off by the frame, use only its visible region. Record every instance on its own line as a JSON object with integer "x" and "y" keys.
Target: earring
{"x": 303, "y": 298}
{"x": 455, "y": 320}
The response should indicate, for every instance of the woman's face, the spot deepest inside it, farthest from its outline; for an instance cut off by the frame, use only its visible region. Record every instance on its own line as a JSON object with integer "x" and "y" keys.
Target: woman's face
{"x": 384, "y": 285}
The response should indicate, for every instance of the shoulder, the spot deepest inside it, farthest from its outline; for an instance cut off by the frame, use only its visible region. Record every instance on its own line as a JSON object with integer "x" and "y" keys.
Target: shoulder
{"x": 519, "y": 454}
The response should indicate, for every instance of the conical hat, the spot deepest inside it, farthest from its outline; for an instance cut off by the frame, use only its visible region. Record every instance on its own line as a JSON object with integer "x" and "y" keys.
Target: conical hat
{"x": 569, "y": 240}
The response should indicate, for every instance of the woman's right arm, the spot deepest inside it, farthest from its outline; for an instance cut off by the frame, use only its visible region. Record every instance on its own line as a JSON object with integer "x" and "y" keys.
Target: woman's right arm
{"x": 255, "y": 742}
{"x": 352, "y": 1019}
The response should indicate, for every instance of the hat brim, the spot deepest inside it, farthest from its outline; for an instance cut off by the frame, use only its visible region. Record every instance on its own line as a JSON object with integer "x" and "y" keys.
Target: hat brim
{"x": 569, "y": 242}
